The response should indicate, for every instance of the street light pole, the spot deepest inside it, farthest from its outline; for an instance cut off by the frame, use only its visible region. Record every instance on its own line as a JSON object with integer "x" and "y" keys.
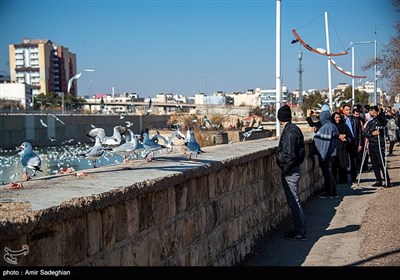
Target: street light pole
{"x": 278, "y": 83}
{"x": 375, "y": 78}
{"x": 352, "y": 67}
{"x": 353, "y": 94}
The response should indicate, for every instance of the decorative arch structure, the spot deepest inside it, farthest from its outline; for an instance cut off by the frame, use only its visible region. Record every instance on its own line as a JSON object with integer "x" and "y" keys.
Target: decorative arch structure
{"x": 340, "y": 69}
{"x": 317, "y": 50}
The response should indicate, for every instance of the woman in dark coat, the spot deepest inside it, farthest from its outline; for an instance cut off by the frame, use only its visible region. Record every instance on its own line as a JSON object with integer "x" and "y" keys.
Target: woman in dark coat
{"x": 341, "y": 162}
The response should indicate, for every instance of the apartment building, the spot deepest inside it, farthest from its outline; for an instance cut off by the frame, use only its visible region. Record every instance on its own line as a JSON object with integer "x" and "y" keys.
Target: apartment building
{"x": 42, "y": 64}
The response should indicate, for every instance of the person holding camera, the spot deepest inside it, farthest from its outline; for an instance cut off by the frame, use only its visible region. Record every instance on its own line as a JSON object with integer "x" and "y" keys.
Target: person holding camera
{"x": 374, "y": 131}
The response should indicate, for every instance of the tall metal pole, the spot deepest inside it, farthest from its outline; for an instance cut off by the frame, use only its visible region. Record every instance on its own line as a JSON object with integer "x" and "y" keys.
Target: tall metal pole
{"x": 352, "y": 79}
{"x": 278, "y": 66}
{"x": 375, "y": 78}
{"x": 375, "y": 85}
{"x": 329, "y": 62}
{"x": 62, "y": 103}
{"x": 300, "y": 79}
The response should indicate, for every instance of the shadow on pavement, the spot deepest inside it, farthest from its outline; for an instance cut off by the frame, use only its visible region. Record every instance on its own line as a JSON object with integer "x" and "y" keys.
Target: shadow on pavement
{"x": 278, "y": 251}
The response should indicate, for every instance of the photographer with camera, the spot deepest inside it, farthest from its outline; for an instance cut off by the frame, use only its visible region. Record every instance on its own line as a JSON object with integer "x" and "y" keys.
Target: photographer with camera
{"x": 374, "y": 131}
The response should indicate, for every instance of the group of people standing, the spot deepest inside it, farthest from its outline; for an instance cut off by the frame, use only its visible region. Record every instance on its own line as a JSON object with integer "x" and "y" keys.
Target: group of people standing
{"x": 342, "y": 141}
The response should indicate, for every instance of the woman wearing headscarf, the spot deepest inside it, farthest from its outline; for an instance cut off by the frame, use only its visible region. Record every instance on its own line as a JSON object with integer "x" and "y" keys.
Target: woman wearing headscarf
{"x": 341, "y": 161}
{"x": 325, "y": 141}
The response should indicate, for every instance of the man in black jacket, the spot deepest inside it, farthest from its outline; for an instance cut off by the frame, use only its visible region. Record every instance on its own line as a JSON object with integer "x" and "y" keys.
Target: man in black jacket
{"x": 375, "y": 134}
{"x": 289, "y": 157}
{"x": 355, "y": 145}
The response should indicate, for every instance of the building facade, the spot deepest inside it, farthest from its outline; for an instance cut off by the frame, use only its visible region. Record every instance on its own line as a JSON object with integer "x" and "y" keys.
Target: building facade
{"x": 15, "y": 95}
{"x": 44, "y": 65}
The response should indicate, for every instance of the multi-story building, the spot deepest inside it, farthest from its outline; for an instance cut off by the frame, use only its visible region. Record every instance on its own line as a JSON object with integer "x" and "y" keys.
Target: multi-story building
{"x": 42, "y": 64}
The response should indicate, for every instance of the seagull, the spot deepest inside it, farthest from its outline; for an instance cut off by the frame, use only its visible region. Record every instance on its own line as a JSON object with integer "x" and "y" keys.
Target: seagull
{"x": 168, "y": 142}
{"x": 113, "y": 140}
{"x": 57, "y": 119}
{"x": 29, "y": 159}
{"x": 42, "y": 122}
{"x": 207, "y": 120}
{"x": 129, "y": 147}
{"x": 94, "y": 152}
{"x": 67, "y": 141}
{"x": 150, "y": 145}
{"x": 248, "y": 134}
{"x": 128, "y": 123}
{"x": 192, "y": 146}
{"x": 77, "y": 76}
{"x": 150, "y": 109}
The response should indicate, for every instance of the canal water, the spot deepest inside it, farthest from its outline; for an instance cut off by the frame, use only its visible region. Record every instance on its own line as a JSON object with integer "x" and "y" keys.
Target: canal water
{"x": 53, "y": 159}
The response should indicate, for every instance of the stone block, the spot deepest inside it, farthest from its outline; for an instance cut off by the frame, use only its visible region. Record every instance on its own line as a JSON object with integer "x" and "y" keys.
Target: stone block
{"x": 121, "y": 221}
{"x": 201, "y": 190}
{"x": 167, "y": 240}
{"x": 74, "y": 241}
{"x": 108, "y": 226}
{"x": 224, "y": 207}
{"x": 113, "y": 257}
{"x": 93, "y": 220}
{"x": 211, "y": 216}
{"x": 44, "y": 246}
{"x": 145, "y": 211}
{"x": 194, "y": 255}
{"x": 155, "y": 248}
{"x": 159, "y": 206}
{"x": 171, "y": 203}
{"x": 181, "y": 193}
{"x": 132, "y": 216}
{"x": 212, "y": 181}
{"x": 140, "y": 250}
{"x": 222, "y": 185}
{"x": 127, "y": 254}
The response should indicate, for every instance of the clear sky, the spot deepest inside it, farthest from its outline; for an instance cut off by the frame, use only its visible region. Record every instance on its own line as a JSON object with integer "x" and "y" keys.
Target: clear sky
{"x": 192, "y": 46}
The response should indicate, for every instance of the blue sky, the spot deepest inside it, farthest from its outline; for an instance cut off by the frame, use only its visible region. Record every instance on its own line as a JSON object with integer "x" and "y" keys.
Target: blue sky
{"x": 187, "y": 47}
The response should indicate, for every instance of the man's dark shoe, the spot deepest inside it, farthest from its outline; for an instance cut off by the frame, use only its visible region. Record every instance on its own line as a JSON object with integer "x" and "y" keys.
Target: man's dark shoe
{"x": 323, "y": 196}
{"x": 297, "y": 237}
{"x": 377, "y": 184}
{"x": 388, "y": 185}
{"x": 290, "y": 232}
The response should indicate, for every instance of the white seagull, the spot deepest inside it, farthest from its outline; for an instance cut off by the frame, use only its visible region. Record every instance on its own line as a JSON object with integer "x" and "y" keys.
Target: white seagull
{"x": 29, "y": 159}
{"x": 192, "y": 146}
{"x": 131, "y": 146}
{"x": 94, "y": 152}
{"x": 150, "y": 109}
{"x": 42, "y": 122}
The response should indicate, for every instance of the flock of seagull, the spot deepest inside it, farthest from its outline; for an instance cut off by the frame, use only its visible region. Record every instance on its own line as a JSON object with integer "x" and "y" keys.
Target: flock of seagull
{"x": 123, "y": 142}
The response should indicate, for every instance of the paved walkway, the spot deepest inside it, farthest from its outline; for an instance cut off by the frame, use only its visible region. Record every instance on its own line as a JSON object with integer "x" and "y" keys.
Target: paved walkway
{"x": 361, "y": 227}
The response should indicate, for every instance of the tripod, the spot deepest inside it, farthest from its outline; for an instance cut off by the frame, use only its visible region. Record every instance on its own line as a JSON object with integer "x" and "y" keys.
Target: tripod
{"x": 383, "y": 160}
{"x": 362, "y": 161}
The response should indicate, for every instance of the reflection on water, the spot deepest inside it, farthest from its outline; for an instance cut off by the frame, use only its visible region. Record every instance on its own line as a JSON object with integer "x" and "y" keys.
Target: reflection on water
{"x": 53, "y": 159}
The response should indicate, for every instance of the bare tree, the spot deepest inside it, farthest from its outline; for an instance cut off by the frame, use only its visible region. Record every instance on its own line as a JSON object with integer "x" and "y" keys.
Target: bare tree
{"x": 389, "y": 60}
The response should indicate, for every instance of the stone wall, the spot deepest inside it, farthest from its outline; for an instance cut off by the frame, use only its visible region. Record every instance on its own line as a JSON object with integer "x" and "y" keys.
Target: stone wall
{"x": 208, "y": 215}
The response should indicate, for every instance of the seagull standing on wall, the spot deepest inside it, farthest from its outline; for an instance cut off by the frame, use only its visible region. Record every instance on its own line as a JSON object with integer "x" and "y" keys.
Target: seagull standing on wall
{"x": 192, "y": 146}
{"x": 29, "y": 159}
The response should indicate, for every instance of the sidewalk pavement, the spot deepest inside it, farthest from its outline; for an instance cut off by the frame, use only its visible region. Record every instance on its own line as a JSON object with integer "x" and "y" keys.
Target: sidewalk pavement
{"x": 360, "y": 228}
